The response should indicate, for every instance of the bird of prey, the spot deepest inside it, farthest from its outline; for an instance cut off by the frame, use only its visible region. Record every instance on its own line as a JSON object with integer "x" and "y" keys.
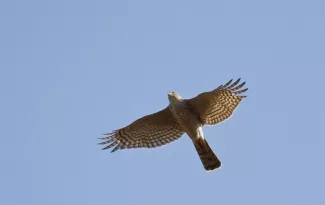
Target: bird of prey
{"x": 179, "y": 117}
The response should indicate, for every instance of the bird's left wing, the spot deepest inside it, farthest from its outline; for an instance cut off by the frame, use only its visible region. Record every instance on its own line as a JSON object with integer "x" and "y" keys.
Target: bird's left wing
{"x": 149, "y": 131}
{"x": 217, "y": 105}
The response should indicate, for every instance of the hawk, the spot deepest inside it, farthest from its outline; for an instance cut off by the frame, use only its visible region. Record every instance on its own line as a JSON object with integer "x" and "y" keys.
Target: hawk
{"x": 179, "y": 117}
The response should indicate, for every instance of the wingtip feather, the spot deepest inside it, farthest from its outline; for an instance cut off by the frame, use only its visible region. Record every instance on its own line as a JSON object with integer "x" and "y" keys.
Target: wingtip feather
{"x": 227, "y": 83}
{"x": 239, "y": 86}
{"x": 115, "y": 149}
{"x": 240, "y": 91}
{"x": 234, "y": 84}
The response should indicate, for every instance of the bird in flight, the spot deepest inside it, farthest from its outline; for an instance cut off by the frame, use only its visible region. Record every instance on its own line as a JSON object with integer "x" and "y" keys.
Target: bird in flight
{"x": 179, "y": 117}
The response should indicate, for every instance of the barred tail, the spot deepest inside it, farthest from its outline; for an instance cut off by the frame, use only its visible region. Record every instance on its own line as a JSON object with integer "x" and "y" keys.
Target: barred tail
{"x": 209, "y": 160}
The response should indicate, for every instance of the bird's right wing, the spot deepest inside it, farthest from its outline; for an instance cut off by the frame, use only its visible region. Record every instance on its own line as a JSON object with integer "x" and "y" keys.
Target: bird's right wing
{"x": 149, "y": 131}
{"x": 218, "y": 105}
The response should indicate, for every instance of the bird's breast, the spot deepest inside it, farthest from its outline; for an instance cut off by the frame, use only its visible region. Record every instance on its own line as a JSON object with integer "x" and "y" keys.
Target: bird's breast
{"x": 187, "y": 120}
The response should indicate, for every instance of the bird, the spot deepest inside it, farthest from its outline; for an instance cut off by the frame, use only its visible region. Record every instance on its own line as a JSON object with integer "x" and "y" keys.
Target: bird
{"x": 179, "y": 117}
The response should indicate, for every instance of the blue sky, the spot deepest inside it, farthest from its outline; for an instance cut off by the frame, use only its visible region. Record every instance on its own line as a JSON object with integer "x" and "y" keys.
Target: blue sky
{"x": 72, "y": 70}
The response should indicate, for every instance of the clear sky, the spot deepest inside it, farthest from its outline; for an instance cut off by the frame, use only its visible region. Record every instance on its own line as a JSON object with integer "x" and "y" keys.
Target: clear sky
{"x": 72, "y": 70}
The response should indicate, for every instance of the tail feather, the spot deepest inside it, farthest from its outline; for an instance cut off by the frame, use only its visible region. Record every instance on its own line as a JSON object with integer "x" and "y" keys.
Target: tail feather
{"x": 209, "y": 160}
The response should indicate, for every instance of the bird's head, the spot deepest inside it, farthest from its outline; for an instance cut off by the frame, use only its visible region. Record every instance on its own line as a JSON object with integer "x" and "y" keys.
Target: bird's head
{"x": 174, "y": 97}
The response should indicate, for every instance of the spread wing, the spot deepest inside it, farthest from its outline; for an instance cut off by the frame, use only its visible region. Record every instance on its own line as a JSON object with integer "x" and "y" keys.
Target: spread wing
{"x": 218, "y": 105}
{"x": 149, "y": 131}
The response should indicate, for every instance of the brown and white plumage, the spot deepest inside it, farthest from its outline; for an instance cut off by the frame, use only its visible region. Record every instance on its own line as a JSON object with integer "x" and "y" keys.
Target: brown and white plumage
{"x": 149, "y": 131}
{"x": 181, "y": 116}
{"x": 218, "y": 105}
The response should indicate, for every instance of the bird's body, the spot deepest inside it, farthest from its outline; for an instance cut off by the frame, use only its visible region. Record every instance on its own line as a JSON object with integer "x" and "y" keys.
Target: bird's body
{"x": 188, "y": 120}
{"x": 181, "y": 116}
